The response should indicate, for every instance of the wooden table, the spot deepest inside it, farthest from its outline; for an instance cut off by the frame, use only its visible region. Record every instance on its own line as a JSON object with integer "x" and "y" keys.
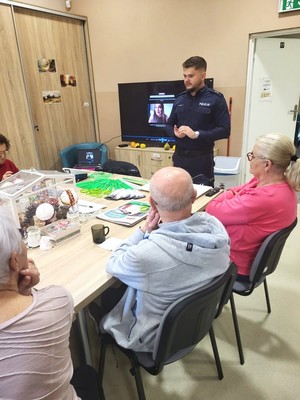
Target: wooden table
{"x": 79, "y": 264}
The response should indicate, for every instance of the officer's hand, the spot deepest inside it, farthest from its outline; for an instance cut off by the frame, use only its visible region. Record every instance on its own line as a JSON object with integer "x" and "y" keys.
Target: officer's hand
{"x": 178, "y": 133}
{"x": 187, "y": 131}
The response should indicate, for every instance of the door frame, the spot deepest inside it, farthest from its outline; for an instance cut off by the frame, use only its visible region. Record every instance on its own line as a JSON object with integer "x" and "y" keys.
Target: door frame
{"x": 284, "y": 33}
{"x": 42, "y": 9}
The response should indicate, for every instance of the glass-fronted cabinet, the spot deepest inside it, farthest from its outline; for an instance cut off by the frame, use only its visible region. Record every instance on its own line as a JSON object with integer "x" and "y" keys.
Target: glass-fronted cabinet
{"x": 38, "y": 198}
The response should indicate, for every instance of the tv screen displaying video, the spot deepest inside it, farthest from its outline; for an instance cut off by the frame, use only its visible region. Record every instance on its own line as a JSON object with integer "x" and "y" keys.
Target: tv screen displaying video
{"x": 145, "y": 108}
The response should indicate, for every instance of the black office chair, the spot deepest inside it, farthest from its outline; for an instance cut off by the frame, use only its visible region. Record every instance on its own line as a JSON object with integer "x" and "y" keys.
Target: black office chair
{"x": 264, "y": 264}
{"x": 184, "y": 324}
{"x": 120, "y": 167}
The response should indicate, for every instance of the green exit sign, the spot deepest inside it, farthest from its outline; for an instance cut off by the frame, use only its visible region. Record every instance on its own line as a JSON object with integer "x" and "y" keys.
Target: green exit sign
{"x": 289, "y": 5}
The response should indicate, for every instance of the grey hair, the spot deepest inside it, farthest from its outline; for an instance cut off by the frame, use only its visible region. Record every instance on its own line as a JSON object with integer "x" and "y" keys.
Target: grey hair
{"x": 280, "y": 150}
{"x": 168, "y": 197}
{"x": 10, "y": 241}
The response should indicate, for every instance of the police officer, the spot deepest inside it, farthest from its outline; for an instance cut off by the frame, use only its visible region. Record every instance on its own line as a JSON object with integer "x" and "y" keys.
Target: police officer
{"x": 199, "y": 117}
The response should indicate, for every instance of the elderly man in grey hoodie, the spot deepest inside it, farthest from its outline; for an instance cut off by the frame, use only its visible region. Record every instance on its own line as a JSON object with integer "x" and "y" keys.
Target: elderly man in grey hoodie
{"x": 173, "y": 254}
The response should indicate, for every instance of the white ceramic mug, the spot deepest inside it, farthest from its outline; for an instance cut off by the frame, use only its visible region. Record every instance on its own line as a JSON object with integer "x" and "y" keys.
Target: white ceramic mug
{"x": 45, "y": 243}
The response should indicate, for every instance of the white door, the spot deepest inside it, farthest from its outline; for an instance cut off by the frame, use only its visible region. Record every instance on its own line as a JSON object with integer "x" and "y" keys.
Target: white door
{"x": 274, "y": 91}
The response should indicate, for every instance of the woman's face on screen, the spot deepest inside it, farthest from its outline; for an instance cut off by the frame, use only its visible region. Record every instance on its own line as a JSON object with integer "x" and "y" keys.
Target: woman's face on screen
{"x": 158, "y": 110}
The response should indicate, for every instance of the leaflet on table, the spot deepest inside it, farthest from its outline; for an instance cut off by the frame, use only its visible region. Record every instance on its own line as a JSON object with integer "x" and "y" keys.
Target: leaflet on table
{"x": 87, "y": 207}
{"x": 128, "y": 214}
{"x": 201, "y": 189}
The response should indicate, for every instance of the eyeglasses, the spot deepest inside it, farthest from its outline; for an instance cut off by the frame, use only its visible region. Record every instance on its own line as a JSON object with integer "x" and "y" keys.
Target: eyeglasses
{"x": 251, "y": 156}
{"x": 4, "y": 153}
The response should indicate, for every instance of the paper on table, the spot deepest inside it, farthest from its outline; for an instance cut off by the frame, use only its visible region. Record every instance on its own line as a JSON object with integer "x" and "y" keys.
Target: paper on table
{"x": 146, "y": 187}
{"x": 201, "y": 189}
{"x": 111, "y": 243}
{"x": 87, "y": 207}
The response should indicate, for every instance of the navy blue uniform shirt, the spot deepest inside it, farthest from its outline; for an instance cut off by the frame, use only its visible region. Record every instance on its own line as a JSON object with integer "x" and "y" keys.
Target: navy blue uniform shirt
{"x": 206, "y": 112}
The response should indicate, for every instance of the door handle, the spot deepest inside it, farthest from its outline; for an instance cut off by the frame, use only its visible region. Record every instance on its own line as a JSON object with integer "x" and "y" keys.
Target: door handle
{"x": 294, "y": 112}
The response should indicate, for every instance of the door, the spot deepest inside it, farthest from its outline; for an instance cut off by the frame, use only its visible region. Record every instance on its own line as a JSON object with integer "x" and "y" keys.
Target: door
{"x": 54, "y": 59}
{"x": 274, "y": 92}
{"x": 15, "y": 122}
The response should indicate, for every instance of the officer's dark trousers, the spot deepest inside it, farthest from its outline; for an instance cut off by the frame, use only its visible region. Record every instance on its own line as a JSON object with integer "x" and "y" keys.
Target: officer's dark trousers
{"x": 200, "y": 167}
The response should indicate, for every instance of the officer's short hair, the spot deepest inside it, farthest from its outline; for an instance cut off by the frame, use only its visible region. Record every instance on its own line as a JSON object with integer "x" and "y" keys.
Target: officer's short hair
{"x": 196, "y": 62}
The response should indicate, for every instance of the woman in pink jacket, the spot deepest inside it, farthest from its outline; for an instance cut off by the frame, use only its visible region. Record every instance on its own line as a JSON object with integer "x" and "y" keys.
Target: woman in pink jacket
{"x": 267, "y": 203}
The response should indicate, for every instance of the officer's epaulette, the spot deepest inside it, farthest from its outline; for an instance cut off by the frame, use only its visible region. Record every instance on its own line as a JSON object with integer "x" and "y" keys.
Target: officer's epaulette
{"x": 218, "y": 93}
{"x": 180, "y": 94}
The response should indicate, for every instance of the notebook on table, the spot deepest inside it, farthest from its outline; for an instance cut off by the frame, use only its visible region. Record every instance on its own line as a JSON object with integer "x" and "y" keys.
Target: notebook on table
{"x": 88, "y": 159}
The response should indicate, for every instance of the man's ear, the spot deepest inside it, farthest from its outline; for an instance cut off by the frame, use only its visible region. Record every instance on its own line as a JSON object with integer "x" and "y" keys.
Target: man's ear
{"x": 194, "y": 196}
{"x": 152, "y": 203}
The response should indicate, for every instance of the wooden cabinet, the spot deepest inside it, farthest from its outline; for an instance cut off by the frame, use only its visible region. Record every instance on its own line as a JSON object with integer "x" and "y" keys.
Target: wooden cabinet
{"x": 148, "y": 160}
{"x": 155, "y": 159}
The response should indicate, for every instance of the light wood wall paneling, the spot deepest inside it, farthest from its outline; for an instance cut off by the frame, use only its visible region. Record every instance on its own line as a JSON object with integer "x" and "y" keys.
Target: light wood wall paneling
{"x": 45, "y": 36}
{"x": 15, "y": 122}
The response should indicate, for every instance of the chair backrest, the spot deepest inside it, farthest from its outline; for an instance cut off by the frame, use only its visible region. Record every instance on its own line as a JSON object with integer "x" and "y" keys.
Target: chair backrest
{"x": 188, "y": 320}
{"x": 121, "y": 167}
{"x": 269, "y": 253}
{"x": 68, "y": 155}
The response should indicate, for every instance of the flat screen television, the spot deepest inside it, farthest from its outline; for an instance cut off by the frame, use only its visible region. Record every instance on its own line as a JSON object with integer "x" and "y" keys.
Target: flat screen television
{"x": 145, "y": 108}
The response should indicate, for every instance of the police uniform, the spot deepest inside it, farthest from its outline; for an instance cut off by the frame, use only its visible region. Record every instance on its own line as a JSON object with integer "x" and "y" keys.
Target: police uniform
{"x": 206, "y": 112}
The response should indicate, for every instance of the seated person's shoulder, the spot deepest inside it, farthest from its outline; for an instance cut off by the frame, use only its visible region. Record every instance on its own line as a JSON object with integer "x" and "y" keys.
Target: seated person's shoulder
{"x": 55, "y": 292}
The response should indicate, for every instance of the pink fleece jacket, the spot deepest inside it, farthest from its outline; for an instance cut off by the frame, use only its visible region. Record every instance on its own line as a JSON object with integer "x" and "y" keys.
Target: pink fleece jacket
{"x": 250, "y": 213}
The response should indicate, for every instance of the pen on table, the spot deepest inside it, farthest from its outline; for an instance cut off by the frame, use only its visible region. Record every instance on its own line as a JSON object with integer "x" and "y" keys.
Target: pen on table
{"x": 85, "y": 205}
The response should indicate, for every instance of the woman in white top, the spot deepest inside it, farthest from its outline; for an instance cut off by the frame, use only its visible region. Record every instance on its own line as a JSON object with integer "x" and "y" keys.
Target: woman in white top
{"x": 35, "y": 360}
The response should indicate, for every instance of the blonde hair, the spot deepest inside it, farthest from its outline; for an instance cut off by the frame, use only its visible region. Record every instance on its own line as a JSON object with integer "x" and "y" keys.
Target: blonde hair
{"x": 280, "y": 150}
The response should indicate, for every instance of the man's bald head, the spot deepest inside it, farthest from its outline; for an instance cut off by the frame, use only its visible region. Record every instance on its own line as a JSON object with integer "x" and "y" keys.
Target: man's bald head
{"x": 172, "y": 189}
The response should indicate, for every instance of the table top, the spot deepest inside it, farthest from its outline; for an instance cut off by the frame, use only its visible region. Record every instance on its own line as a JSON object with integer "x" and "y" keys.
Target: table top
{"x": 78, "y": 264}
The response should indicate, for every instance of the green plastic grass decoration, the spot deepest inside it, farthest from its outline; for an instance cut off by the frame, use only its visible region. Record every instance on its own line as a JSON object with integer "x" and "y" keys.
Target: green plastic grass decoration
{"x": 101, "y": 185}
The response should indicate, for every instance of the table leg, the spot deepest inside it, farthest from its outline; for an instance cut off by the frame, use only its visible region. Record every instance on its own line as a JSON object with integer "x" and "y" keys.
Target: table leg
{"x": 84, "y": 337}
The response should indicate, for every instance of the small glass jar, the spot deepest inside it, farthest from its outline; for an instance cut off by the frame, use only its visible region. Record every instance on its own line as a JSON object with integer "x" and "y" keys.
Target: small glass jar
{"x": 73, "y": 218}
{"x": 33, "y": 236}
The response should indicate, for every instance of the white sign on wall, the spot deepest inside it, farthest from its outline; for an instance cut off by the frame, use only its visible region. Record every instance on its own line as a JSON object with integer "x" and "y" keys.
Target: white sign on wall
{"x": 265, "y": 92}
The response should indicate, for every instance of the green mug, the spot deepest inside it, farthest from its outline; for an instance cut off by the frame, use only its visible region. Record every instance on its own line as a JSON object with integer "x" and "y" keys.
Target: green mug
{"x": 99, "y": 232}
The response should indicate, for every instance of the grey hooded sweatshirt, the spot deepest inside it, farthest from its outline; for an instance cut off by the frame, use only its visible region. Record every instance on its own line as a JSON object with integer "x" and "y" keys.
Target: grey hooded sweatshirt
{"x": 173, "y": 261}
